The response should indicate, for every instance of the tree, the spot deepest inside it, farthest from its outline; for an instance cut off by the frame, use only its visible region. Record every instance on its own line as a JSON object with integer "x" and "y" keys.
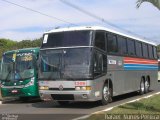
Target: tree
{"x": 158, "y": 48}
{"x": 156, "y": 3}
{"x": 6, "y": 44}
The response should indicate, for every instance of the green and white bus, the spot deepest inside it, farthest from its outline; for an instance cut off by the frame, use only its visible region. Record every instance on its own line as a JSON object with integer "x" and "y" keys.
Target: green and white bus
{"x": 94, "y": 64}
{"x": 19, "y": 73}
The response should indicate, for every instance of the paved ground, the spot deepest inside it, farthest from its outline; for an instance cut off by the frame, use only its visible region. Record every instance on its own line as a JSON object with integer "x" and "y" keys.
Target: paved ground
{"x": 36, "y": 109}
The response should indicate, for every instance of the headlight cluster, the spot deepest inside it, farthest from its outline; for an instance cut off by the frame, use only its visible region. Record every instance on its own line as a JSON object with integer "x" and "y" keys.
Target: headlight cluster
{"x": 30, "y": 83}
{"x": 43, "y": 87}
{"x": 83, "y": 88}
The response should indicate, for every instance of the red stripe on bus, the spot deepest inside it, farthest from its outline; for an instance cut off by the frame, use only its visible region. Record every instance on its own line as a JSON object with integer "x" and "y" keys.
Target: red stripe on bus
{"x": 139, "y": 60}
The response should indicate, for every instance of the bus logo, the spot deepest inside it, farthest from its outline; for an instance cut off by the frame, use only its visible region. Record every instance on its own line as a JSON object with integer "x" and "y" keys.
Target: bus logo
{"x": 60, "y": 87}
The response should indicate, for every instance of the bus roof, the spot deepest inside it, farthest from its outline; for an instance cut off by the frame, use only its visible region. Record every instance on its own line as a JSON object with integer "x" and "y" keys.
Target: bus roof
{"x": 36, "y": 50}
{"x": 100, "y": 28}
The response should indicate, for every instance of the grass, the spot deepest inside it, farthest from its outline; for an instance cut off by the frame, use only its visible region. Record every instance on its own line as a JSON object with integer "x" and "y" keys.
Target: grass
{"x": 147, "y": 106}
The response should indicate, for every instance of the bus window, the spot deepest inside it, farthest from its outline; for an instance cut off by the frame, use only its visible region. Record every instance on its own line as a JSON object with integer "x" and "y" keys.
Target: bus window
{"x": 100, "y": 40}
{"x": 145, "y": 50}
{"x": 66, "y": 39}
{"x": 100, "y": 64}
{"x": 150, "y": 48}
{"x": 138, "y": 49}
{"x": 122, "y": 46}
{"x": 155, "y": 52}
{"x": 112, "y": 44}
{"x": 131, "y": 47}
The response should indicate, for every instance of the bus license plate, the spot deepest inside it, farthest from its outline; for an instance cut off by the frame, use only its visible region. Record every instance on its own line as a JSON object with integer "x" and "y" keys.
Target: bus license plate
{"x": 14, "y": 91}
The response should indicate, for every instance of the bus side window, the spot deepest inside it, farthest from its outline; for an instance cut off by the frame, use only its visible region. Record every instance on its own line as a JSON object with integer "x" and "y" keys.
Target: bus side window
{"x": 100, "y": 64}
{"x": 155, "y": 52}
{"x": 131, "y": 47}
{"x": 100, "y": 40}
{"x": 145, "y": 50}
{"x": 150, "y": 48}
{"x": 112, "y": 43}
{"x": 122, "y": 45}
{"x": 138, "y": 49}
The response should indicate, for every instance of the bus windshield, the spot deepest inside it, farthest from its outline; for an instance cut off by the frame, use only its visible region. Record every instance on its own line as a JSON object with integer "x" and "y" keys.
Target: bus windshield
{"x": 67, "y": 39}
{"x": 73, "y": 63}
{"x": 17, "y": 66}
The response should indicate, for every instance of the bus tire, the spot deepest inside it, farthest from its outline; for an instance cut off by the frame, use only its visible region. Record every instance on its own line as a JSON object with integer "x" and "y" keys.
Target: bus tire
{"x": 142, "y": 87}
{"x": 146, "y": 85}
{"x": 106, "y": 95}
{"x": 63, "y": 102}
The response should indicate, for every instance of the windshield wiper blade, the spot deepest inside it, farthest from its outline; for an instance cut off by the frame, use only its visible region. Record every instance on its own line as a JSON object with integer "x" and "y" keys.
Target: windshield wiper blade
{"x": 8, "y": 76}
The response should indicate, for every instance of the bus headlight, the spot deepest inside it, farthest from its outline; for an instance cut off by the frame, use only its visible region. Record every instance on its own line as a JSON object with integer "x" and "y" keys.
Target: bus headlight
{"x": 30, "y": 83}
{"x": 83, "y": 88}
{"x": 78, "y": 88}
{"x": 43, "y": 87}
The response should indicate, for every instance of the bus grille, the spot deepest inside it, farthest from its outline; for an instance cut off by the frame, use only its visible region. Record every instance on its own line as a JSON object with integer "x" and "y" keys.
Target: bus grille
{"x": 64, "y": 89}
{"x": 62, "y": 97}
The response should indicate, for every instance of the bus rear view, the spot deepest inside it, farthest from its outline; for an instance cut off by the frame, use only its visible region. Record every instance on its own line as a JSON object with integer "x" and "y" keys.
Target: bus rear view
{"x": 19, "y": 73}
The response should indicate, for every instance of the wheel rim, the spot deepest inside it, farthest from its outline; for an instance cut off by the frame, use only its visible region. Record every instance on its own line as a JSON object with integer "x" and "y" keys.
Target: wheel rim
{"x": 106, "y": 93}
{"x": 146, "y": 85}
{"x": 142, "y": 86}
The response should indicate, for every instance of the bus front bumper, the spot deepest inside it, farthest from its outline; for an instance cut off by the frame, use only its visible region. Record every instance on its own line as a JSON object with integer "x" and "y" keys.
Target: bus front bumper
{"x": 47, "y": 95}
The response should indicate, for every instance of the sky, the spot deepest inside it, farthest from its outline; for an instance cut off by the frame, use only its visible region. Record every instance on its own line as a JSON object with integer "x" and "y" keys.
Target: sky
{"x": 19, "y": 24}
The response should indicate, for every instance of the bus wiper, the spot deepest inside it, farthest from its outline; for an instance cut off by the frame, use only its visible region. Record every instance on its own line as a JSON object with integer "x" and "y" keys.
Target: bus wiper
{"x": 8, "y": 76}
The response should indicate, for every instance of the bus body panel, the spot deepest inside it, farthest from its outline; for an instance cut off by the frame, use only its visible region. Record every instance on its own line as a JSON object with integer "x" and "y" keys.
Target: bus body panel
{"x": 17, "y": 90}
{"x": 62, "y": 88}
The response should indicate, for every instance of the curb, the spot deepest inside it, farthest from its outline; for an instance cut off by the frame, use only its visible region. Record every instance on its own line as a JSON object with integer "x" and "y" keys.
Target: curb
{"x": 7, "y": 100}
{"x": 110, "y": 108}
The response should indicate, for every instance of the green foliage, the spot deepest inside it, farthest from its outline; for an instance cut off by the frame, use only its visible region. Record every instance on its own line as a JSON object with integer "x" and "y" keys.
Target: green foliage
{"x": 156, "y": 3}
{"x": 158, "y": 48}
{"x": 6, "y": 44}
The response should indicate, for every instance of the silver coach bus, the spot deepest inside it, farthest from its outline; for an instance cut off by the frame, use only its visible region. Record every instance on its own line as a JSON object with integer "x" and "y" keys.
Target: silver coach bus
{"x": 94, "y": 64}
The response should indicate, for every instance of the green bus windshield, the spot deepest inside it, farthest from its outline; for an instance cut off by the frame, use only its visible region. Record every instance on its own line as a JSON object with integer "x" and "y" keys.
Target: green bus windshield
{"x": 18, "y": 66}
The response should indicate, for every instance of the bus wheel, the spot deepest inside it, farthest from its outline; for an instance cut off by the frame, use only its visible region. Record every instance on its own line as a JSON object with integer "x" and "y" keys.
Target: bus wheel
{"x": 142, "y": 87}
{"x": 63, "y": 102}
{"x": 146, "y": 86}
{"x": 106, "y": 95}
